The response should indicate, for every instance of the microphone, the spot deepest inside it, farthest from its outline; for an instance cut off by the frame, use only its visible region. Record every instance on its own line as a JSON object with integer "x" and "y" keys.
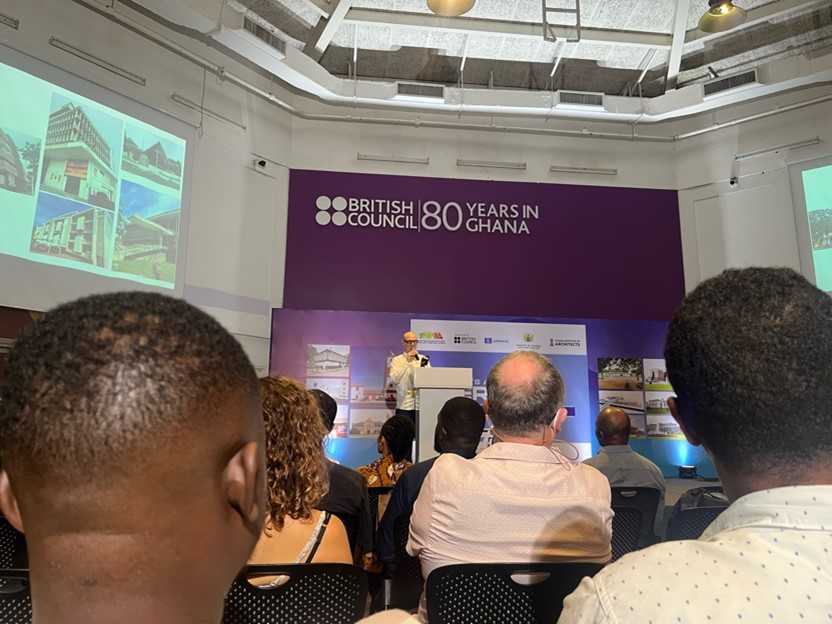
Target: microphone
{"x": 423, "y": 360}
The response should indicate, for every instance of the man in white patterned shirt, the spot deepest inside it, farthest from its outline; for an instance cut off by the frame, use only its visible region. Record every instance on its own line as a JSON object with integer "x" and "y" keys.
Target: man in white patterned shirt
{"x": 749, "y": 355}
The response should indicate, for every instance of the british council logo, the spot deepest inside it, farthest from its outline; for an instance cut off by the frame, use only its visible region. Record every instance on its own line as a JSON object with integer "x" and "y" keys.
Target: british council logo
{"x": 324, "y": 216}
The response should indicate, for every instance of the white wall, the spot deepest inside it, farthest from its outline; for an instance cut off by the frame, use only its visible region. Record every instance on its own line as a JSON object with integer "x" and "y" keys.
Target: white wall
{"x": 754, "y": 222}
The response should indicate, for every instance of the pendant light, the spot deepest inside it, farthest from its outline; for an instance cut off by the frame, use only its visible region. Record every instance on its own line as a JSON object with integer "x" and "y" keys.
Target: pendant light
{"x": 721, "y": 16}
{"x": 450, "y": 8}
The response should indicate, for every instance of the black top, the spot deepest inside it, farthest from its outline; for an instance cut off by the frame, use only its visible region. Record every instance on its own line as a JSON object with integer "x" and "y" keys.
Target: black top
{"x": 401, "y": 503}
{"x": 348, "y": 500}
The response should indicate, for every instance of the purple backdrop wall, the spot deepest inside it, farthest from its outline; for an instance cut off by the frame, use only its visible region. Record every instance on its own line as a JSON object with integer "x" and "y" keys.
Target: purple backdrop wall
{"x": 594, "y": 252}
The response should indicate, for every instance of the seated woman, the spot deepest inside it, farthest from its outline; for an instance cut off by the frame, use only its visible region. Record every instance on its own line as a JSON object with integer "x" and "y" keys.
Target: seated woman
{"x": 395, "y": 443}
{"x": 296, "y": 479}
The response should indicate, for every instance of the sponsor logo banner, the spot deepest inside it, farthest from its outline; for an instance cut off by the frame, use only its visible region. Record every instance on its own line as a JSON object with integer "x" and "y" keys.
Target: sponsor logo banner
{"x": 499, "y": 337}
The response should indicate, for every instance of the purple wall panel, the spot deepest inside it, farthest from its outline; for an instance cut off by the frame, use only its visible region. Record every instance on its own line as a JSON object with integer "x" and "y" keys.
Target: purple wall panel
{"x": 594, "y": 252}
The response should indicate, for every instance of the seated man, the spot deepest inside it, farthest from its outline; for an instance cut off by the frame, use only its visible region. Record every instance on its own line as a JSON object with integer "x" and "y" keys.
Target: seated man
{"x": 748, "y": 355}
{"x": 620, "y": 464}
{"x": 459, "y": 427}
{"x": 519, "y": 500}
{"x": 132, "y": 446}
{"x": 347, "y": 497}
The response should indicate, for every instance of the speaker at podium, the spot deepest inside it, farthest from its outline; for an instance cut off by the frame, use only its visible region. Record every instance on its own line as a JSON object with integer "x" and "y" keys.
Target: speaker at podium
{"x": 434, "y": 386}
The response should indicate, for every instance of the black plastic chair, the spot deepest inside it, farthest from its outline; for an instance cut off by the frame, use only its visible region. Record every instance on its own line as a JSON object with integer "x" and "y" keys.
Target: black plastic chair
{"x": 15, "y": 598}
{"x": 311, "y": 594}
{"x": 635, "y": 514}
{"x": 691, "y": 523}
{"x": 13, "y": 553}
{"x": 403, "y": 577}
{"x": 474, "y": 593}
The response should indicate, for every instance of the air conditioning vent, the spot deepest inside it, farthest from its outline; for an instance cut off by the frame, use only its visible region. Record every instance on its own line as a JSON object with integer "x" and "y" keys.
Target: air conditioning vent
{"x": 581, "y": 98}
{"x": 265, "y": 35}
{"x": 730, "y": 82}
{"x": 414, "y": 89}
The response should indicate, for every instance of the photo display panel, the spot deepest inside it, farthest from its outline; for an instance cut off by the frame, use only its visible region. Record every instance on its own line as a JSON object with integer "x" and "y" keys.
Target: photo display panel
{"x": 85, "y": 187}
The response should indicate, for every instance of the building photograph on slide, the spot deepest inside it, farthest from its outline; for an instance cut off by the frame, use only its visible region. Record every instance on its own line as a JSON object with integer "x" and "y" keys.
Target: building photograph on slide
{"x": 151, "y": 159}
{"x": 71, "y": 230}
{"x": 19, "y": 161}
{"x": 147, "y": 232}
{"x": 82, "y": 154}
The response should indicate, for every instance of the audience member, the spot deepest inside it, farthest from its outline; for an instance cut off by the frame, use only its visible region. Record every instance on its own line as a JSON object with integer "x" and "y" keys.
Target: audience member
{"x": 347, "y": 497}
{"x": 620, "y": 464}
{"x": 748, "y": 355}
{"x": 520, "y": 499}
{"x": 395, "y": 445}
{"x": 296, "y": 479}
{"x": 458, "y": 430}
{"x": 132, "y": 453}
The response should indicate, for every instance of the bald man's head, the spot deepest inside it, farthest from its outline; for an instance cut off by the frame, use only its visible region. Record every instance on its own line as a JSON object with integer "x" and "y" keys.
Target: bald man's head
{"x": 524, "y": 393}
{"x": 612, "y": 427}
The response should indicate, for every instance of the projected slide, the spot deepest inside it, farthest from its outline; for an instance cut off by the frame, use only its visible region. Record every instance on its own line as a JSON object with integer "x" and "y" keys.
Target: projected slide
{"x": 817, "y": 188}
{"x": 85, "y": 187}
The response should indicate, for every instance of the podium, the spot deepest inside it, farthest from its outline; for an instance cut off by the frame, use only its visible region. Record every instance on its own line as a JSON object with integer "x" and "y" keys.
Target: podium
{"x": 434, "y": 386}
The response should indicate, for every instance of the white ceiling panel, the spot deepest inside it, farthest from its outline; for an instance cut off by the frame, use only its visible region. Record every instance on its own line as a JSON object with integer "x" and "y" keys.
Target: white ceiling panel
{"x": 448, "y": 43}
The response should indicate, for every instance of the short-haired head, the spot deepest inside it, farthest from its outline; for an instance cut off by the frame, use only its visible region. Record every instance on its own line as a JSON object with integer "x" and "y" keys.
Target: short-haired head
{"x": 748, "y": 354}
{"x": 398, "y": 432}
{"x": 459, "y": 426}
{"x": 525, "y": 392}
{"x": 612, "y": 427}
{"x": 327, "y": 406}
{"x": 108, "y": 380}
{"x": 123, "y": 418}
{"x": 296, "y": 473}
{"x": 410, "y": 338}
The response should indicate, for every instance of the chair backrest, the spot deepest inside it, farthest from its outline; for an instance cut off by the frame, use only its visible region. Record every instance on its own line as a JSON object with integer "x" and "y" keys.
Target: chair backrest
{"x": 635, "y": 513}
{"x": 12, "y": 547}
{"x": 691, "y": 523}
{"x": 520, "y": 593}
{"x": 311, "y": 594}
{"x": 15, "y": 598}
{"x": 406, "y": 577}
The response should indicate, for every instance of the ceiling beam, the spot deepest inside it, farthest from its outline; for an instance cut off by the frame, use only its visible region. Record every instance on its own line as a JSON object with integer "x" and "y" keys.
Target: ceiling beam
{"x": 764, "y": 13}
{"x": 428, "y": 21}
{"x": 674, "y": 64}
{"x": 333, "y": 23}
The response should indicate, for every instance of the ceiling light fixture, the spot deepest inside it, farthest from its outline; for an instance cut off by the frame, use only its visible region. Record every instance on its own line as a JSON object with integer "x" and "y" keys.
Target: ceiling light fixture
{"x": 721, "y": 16}
{"x": 450, "y": 8}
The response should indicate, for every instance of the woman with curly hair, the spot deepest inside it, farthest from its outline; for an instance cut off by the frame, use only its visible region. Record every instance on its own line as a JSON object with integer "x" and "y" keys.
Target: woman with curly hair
{"x": 296, "y": 475}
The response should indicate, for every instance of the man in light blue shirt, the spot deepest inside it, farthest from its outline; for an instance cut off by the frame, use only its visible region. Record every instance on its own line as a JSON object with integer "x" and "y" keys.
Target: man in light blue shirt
{"x": 619, "y": 463}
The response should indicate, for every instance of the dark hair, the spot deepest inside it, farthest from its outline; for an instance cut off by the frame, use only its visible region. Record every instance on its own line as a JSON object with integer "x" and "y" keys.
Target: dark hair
{"x": 399, "y": 433}
{"x": 748, "y": 354}
{"x": 327, "y": 407}
{"x": 113, "y": 374}
{"x": 462, "y": 420}
{"x": 519, "y": 408}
